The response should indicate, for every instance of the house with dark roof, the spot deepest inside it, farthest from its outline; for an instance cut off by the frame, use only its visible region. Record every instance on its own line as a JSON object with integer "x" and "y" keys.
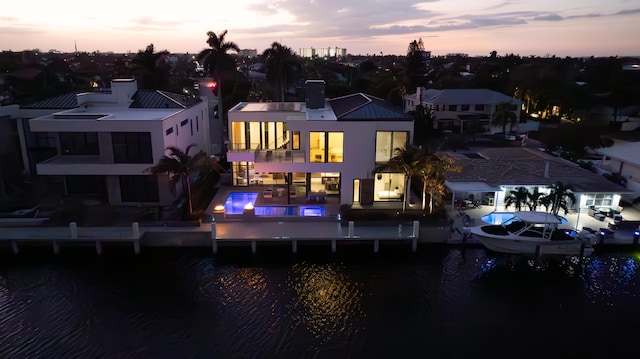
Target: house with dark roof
{"x": 490, "y": 174}
{"x": 320, "y": 147}
{"x": 465, "y": 110}
{"x": 100, "y": 143}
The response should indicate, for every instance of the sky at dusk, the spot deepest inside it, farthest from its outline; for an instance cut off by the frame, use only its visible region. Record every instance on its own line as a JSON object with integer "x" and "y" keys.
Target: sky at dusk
{"x": 523, "y": 27}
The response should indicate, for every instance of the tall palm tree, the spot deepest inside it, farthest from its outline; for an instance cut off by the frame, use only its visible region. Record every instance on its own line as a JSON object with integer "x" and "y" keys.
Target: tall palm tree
{"x": 432, "y": 170}
{"x": 281, "y": 67}
{"x": 216, "y": 61}
{"x": 559, "y": 197}
{"x": 409, "y": 161}
{"x": 183, "y": 166}
{"x": 503, "y": 116}
{"x": 534, "y": 199}
{"x": 151, "y": 69}
{"x": 517, "y": 197}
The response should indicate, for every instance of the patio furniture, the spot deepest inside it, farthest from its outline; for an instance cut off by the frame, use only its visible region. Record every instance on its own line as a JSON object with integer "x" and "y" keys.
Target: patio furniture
{"x": 319, "y": 196}
{"x": 267, "y": 193}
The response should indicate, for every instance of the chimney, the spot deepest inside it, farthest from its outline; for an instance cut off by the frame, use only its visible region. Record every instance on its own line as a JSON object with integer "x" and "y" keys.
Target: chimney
{"x": 314, "y": 94}
{"x": 546, "y": 170}
{"x": 123, "y": 90}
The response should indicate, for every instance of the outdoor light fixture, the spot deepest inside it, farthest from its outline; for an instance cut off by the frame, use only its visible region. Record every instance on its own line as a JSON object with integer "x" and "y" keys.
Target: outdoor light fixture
{"x": 379, "y": 176}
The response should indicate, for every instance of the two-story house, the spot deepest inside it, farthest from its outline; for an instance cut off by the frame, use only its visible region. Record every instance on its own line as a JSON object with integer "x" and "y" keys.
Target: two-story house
{"x": 320, "y": 145}
{"x": 104, "y": 144}
{"x": 465, "y": 110}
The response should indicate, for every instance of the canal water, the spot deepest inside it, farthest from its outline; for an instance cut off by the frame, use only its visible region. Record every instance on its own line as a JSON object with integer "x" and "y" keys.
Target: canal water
{"x": 442, "y": 302}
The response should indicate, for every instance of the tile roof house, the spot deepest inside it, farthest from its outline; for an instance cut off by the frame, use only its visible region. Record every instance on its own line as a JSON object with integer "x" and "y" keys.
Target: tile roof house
{"x": 493, "y": 172}
{"x": 103, "y": 143}
{"x": 458, "y": 109}
{"x": 319, "y": 146}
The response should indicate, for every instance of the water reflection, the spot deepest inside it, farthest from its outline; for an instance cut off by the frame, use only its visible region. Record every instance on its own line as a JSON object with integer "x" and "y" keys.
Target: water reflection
{"x": 326, "y": 301}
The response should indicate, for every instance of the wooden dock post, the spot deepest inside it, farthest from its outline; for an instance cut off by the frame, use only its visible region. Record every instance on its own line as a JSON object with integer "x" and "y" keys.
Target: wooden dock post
{"x": 414, "y": 244}
{"x": 14, "y": 247}
{"x": 98, "y": 247}
{"x": 351, "y": 229}
{"x": 416, "y": 229}
{"x": 333, "y": 246}
{"x": 56, "y": 247}
{"x": 294, "y": 246}
{"x": 135, "y": 227}
{"x": 253, "y": 247}
{"x": 73, "y": 230}
{"x": 376, "y": 245}
{"x": 214, "y": 243}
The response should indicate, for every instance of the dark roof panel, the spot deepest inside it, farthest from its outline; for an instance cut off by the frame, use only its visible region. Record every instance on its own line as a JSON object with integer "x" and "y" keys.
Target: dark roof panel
{"x": 63, "y": 102}
{"x": 365, "y": 107}
{"x": 161, "y": 99}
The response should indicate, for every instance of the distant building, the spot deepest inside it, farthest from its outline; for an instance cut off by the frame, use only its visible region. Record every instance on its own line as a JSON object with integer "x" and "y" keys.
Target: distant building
{"x": 310, "y": 52}
{"x": 248, "y": 53}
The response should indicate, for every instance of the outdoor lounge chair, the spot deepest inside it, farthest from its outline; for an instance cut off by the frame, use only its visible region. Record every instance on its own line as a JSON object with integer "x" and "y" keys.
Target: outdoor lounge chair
{"x": 267, "y": 193}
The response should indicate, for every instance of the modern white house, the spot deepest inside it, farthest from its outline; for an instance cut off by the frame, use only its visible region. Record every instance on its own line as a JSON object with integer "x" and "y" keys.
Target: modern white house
{"x": 106, "y": 141}
{"x": 460, "y": 110}
{"x": 320, "y": 147}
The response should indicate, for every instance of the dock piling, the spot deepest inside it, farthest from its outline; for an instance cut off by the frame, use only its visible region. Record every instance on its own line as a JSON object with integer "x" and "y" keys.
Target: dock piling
{"x": 351, "y": 229}
{"x": 294, "y": 246}
{"x": 73, "y": 230}
{"x": 253, "y": 247}
{"x": 376, "y": 245}
{"x": 56, "y": 247}
{"x": 333, "y": 246}
{"x": 214, "y": 244}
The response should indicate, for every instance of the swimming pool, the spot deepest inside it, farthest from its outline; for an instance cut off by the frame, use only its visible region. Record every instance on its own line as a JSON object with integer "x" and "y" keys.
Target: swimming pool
{"x": 283, "y": 211}
{"x": 236, "y": 201}
{"x": 501, "y": 217}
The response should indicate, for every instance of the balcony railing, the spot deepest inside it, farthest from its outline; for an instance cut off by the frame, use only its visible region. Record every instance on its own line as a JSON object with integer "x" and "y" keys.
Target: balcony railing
{"x": 280, "y": 156}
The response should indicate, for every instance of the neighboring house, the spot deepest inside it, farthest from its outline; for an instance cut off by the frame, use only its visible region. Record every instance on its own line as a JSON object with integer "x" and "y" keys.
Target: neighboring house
{"x": 320, "y": 145}
{"x": 104, "y": 144}
{"x": 464, "y": 110}
{"x": 622, "y": 160}
{"x": 490, "y": 174}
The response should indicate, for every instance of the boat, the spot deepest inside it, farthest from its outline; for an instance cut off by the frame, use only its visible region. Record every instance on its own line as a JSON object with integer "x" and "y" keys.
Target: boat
{"x": 533, "y": 232}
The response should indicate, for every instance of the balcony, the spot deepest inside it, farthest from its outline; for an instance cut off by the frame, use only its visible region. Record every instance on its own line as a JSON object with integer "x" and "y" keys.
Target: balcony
{"x": 88, "y": 165}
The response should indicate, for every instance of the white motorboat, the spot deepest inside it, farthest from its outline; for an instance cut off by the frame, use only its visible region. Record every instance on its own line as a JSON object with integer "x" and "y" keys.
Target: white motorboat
{"x": 531, "y": 232}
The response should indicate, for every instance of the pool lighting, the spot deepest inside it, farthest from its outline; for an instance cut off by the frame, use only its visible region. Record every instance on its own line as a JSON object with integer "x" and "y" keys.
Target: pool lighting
{"x": 248, "y": 206}
{"x": 218, "y": 208}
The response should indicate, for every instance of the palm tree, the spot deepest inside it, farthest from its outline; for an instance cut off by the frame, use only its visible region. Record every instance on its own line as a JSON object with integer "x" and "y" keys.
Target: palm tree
{"x": 432, "y": 170}
{"x": 409, "y": 161}
{"x": 216, "y": 61}
{"x": 517, "y": 198}
{"x": 503, "y": 116}
{"x": 182, "y": 166}
{"x": 281, "y": 67}
{"x": 534, "y": 199}
{"x": 559, "y": 197}
{"x": 151, "y": 69}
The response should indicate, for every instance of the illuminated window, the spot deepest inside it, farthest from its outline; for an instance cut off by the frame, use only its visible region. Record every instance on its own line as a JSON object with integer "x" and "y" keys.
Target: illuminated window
{"x": 387, "y": 142}
{"x": 326, "y": 146}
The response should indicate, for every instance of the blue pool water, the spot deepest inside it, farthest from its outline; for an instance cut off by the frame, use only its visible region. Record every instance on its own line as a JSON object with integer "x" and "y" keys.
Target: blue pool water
{"x": 500, "y": 217}
{"x": 237, "y": 200}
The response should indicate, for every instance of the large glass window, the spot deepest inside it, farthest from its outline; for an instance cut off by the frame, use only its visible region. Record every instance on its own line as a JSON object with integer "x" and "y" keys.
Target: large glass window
{"x": 326, "y": 146}
{"x": 259, "y": 135}
{"x": 139, "y": 189}
{"x": 387, "y": 142}
{"x": 131, "y": 147}
{"x": 79, "y": 143}
{"x": 599, "y": 199}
